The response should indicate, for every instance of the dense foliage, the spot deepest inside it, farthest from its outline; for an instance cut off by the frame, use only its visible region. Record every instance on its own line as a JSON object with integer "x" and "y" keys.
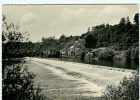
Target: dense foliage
{"x": 121, "y": 36}
{"x": 127, "y": 90}
{"x": 17, "y": 81}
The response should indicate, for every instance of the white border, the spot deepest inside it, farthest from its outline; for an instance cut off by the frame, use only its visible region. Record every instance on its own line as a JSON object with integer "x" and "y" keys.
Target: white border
{"x": 0, "y": 52}
{"x": 57, "y": 2}
{"x": 69, "y": 1}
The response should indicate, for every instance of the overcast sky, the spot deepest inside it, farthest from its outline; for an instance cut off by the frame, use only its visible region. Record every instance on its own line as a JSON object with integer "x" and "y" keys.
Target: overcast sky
{"x": 55, "y": 20}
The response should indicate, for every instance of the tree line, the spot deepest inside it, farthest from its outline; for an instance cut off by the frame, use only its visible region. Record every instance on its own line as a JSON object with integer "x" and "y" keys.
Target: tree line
{"x": 121, "y": 36}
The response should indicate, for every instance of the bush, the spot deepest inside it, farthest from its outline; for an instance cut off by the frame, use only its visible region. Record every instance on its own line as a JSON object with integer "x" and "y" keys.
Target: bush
{"x": 18, "y": 84}
{"x": 106, "y": 54}
{"x": 127, "y": 90}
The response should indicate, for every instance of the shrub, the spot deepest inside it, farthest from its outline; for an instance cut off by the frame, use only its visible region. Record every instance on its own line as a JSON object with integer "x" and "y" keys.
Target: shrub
{"x": 106, "y": 54}
{"x": 127, "y": 90}
{"x": 18, "y": 84}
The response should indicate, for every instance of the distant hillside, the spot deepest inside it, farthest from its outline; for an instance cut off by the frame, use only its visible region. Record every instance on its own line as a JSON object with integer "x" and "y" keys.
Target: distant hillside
{"x": 121, "y": 36}
{"x": 102, "y": 42}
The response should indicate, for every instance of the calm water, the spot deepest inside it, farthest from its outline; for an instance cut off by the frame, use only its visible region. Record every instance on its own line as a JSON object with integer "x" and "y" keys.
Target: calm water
{"x": 116, "y": 63}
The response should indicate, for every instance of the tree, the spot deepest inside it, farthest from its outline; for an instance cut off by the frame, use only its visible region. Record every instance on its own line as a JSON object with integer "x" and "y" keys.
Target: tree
{"x": 122, "y": 21}
{"x": 17, "y": 81}
{"x": 11, "y": 33}
{"x": 90, "y": 41}
{"x": 88, "y": 29}
{"x": 136, "y": 18}
{"x": 12, "y": 38}
{"x": 62, "y": 38}
{"x": 128, "y": 23}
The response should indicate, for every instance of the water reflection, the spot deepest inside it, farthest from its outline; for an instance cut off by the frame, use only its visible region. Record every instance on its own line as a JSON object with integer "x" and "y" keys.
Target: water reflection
{"x": 111, "y": 63}
{"x": 117, "y": 63}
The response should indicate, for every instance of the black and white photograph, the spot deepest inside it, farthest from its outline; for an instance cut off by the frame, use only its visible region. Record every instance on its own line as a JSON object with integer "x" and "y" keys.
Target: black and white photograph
{"x": 70, "y": 52}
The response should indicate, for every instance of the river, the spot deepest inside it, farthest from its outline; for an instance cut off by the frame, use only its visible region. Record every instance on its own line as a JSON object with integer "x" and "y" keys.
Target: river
{"x": 68, "y": 79}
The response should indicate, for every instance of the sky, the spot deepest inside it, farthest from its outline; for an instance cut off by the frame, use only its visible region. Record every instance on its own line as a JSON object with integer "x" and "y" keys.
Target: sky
{"x": 55, "y": 20}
